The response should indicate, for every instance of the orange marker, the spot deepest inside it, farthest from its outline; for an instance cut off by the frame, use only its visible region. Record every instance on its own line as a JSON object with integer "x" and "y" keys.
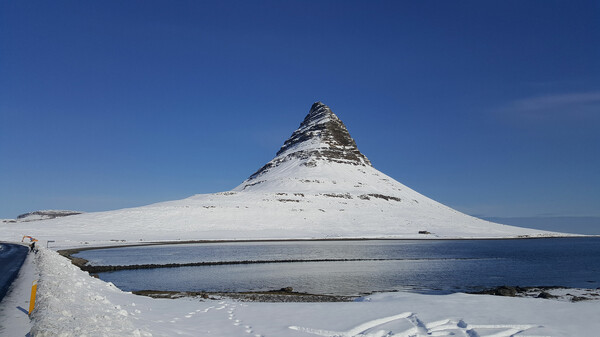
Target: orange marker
{"x": 32, "y": 300}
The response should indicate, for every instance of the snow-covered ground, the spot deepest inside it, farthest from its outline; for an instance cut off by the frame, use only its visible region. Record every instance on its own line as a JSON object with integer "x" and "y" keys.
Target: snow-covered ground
{"x": 71, "y": 303}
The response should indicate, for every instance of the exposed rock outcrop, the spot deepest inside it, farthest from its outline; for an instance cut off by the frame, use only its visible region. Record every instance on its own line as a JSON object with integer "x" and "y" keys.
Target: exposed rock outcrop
{"x": 320, "y": 136}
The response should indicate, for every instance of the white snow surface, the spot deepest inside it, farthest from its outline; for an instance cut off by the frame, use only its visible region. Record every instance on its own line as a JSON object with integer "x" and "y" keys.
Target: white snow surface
{"x": 71, "y": 303}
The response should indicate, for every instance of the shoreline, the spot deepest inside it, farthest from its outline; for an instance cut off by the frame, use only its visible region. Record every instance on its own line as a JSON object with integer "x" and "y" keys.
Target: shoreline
{"x": 82, "y": 263}
{"x": 284, "y": 295}
{"x": 555, "y": 293}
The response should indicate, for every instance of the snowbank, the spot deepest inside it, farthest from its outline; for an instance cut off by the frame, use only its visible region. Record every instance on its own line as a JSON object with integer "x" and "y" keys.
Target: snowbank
{"x": 71, "y": 303}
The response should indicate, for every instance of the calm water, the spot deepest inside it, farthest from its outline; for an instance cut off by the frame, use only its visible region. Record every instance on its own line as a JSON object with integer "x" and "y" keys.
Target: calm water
{"x": 422, "y": 266}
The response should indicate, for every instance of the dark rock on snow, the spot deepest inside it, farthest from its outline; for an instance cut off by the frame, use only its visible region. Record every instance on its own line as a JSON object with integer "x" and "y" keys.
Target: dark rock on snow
{"x": 321, "y": 125}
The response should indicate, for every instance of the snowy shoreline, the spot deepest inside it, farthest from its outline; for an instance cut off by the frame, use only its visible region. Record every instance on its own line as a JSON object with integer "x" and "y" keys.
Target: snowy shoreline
{"x": 72, "y": 303}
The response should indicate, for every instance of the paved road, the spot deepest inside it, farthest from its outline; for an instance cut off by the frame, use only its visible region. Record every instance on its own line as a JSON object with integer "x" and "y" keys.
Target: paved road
{"x": 11, "y": 259}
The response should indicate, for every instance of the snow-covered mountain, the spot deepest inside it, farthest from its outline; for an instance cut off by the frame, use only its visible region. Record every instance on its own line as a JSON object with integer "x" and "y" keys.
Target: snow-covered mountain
{"x": 319, "y": 185}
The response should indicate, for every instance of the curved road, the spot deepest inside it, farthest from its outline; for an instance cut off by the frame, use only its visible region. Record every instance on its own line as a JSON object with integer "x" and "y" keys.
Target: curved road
{"x": 11, "y": 259}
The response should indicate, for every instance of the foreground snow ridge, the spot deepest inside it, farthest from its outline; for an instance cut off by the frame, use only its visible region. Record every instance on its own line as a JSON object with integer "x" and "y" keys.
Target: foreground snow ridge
{"x": 446, "y": 327}
{"x": 319, "y": 185}
{"x": 71, "y": 303}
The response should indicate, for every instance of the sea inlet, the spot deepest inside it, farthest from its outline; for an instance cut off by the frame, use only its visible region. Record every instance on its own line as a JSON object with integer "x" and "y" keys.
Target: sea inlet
{"x": 355, "y": 267}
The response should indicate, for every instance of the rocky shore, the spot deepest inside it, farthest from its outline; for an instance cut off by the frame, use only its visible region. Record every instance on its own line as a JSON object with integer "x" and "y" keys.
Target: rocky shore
{"x": 547, "y": 292}
{"x": 282, "y": 295}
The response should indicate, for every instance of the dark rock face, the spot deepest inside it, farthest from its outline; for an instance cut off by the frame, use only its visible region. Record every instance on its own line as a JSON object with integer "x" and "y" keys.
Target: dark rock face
{"x": 321, "y": 136}
{"x": 322, "y": 123}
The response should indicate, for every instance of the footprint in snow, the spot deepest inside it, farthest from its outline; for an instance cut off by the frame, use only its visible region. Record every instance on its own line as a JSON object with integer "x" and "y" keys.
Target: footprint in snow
{"x": 205, "y": 310}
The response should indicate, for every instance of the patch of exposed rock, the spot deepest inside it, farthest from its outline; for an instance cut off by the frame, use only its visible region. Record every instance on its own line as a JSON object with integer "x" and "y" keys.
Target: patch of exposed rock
{"x": 321, "y": 136}
{"x": 282, "y": 295}
{"x": 545, "y": 292}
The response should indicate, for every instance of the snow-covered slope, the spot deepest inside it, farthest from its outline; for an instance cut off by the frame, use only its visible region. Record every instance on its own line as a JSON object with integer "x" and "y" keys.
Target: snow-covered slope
{"x": 319, "y": 185}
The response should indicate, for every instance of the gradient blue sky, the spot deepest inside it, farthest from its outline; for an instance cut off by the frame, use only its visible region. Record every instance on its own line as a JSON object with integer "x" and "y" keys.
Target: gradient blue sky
{"x": 491, "y": 107}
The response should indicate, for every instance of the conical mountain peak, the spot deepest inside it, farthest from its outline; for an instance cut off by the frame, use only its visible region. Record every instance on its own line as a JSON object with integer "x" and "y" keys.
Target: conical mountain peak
{"x": 321, "y": 136}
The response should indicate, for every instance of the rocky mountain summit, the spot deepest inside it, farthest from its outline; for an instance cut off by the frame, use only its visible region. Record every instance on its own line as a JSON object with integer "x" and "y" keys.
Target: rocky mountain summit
{"x": 322, "y": 136}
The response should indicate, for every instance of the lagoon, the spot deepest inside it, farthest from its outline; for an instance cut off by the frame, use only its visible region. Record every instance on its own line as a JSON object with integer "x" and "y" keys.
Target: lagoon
{"x": 427, "y": 266}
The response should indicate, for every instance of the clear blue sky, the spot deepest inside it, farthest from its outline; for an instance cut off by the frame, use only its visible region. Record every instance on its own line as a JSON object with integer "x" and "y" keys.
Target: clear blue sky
{"x": 491, "y": 107}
